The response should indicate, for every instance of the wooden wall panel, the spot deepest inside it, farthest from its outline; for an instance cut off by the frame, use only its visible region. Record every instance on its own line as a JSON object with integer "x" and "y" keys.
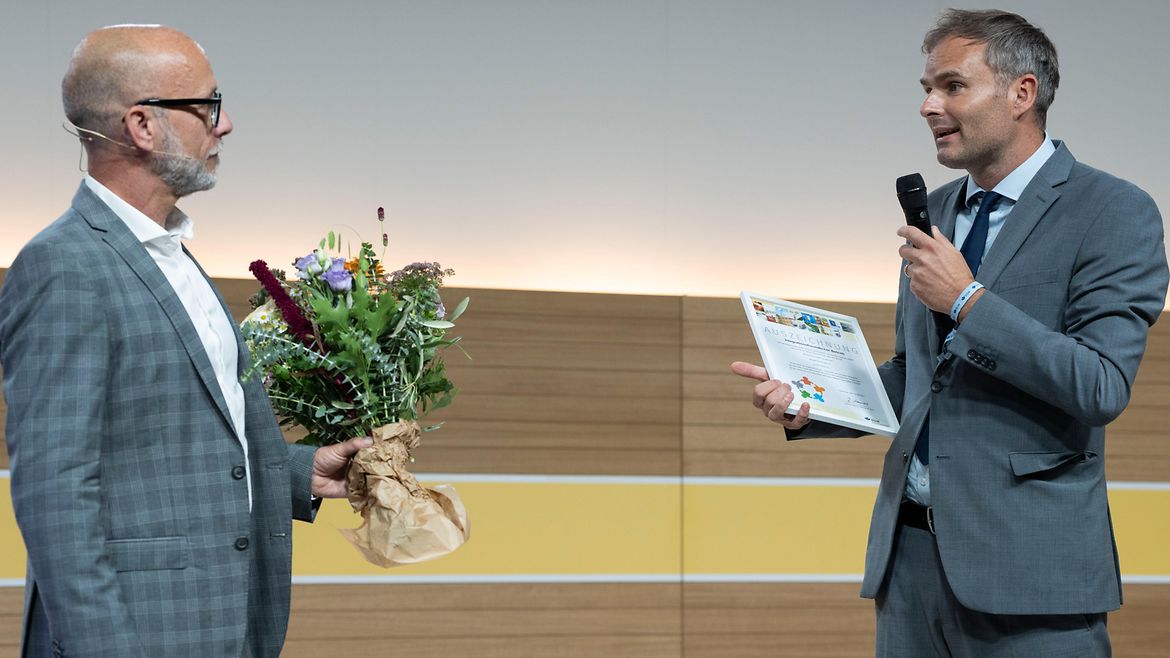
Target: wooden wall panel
{"x": 831, "y": 621}
{"x": 486, "y": 621}
{"x": 11, "y": 614}
{"x": 567, "y": 383}
{"x": 561, "y": 383}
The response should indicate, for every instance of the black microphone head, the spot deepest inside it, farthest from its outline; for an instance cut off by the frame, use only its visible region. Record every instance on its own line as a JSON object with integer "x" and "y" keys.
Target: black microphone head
{"x": 911, "y": 191}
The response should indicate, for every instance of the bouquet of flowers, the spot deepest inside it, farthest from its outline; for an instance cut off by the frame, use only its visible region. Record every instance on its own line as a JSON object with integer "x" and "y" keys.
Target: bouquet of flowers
{"x": 346, "y": 350}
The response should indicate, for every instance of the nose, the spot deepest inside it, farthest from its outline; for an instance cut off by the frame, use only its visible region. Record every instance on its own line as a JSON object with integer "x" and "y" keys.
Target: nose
{"x": 225, "y": 124}
{"x": 931, "y": 106}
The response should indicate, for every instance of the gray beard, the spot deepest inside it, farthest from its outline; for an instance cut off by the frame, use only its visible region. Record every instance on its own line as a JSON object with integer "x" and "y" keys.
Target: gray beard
{"x": 182, "y": 173}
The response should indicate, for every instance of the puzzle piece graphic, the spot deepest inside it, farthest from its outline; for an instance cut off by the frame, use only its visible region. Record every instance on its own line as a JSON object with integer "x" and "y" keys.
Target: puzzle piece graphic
{"x": 817, "y": 393}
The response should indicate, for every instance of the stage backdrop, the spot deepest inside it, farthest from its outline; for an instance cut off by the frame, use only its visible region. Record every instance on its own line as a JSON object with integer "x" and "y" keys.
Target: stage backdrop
{"x": 671, "y": 147}
{"x": 626, "y": 499}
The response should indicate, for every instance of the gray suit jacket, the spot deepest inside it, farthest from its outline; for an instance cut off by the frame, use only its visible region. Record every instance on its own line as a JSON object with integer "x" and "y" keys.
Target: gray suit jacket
{"x": 127, "y": 475}
{"x": 1044, "y": 360}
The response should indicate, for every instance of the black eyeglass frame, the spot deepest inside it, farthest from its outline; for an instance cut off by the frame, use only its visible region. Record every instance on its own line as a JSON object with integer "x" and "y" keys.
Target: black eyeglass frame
{"x": 215, "y": 101}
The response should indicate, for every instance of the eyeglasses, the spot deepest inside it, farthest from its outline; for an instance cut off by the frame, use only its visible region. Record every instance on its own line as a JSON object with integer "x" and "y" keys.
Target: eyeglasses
{"x": 215, "y": 101}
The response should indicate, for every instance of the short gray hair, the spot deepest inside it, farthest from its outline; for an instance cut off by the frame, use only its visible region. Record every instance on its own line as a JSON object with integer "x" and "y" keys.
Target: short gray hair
{"x": 1015, "y": 47}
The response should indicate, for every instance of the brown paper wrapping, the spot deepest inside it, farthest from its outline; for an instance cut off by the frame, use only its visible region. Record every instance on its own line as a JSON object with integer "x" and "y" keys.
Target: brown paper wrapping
{"x": 403, "y": 522}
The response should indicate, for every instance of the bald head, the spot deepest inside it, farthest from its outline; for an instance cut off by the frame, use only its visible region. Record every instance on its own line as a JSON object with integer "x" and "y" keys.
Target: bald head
{"x": 115, "y": 67}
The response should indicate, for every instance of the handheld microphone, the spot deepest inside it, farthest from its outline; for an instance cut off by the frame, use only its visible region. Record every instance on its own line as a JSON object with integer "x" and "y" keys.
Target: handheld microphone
{"x": 912, "y": 195}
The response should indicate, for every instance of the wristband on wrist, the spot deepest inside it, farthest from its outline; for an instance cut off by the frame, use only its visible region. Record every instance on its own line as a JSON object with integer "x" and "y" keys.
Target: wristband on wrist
{"x": 963, "y": 297}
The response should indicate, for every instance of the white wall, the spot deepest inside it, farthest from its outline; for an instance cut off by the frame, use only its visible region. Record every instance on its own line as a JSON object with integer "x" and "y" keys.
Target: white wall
{"x": 658, "y": 146}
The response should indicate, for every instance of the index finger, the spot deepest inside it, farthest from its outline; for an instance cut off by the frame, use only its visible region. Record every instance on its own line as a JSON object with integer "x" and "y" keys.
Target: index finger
{"x": 749, "y": 370}
{"x": 915, "y": 236}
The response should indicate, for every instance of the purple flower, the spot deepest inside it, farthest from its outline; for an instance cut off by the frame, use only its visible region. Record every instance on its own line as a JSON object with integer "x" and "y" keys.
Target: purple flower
{"x": 310, "y": 265}
{"x": 338, "y": 278}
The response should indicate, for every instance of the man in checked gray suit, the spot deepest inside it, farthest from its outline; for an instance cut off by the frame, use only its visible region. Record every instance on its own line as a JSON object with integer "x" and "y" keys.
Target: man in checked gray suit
{"x": 153, "y": 490}
{"x": 991, "y": 533}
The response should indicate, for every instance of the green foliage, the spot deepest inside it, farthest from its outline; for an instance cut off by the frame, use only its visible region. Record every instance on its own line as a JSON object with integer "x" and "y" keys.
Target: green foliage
{"x": 375, "y": 354}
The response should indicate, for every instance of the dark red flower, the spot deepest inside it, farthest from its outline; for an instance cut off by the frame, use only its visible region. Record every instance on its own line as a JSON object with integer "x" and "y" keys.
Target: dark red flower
{"x": 298, "y": 325}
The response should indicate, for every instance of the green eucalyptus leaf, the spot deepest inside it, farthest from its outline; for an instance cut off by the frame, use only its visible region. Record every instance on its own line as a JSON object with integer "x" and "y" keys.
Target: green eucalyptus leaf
{"x": 437, "y": 324}
{"x": 459, "y": 309}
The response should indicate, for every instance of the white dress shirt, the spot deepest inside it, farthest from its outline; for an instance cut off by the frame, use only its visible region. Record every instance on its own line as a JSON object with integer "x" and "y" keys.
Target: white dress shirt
{"x": 215, "y": 328}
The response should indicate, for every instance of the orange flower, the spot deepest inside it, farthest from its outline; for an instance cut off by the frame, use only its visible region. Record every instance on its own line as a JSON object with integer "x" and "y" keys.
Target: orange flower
{"x": 378, "y": 273}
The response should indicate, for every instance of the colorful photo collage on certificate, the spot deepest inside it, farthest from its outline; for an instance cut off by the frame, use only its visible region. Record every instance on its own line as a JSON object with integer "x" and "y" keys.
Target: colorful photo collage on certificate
{"x": 798, "y": 319}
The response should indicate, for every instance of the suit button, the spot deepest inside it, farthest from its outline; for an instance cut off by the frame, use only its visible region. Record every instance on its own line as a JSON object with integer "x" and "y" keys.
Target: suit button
{"x": 905, "y": 458}
{"x": 238, "y": 472}
{"x": 971, "y": 354}
{"x": 241, "y": 543}
{"x": 991, "y": 365}
{"x": 935, "y": 387}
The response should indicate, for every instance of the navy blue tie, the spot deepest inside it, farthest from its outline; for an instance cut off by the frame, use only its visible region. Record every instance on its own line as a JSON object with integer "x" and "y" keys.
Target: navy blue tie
{"x": 977, "y": 239}
{"x": 972, "y": 251}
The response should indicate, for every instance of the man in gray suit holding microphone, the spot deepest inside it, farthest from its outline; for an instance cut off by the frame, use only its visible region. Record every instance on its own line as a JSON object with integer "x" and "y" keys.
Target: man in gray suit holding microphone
{"x": 991, "y": 533}
{"x": 153, "y": 489}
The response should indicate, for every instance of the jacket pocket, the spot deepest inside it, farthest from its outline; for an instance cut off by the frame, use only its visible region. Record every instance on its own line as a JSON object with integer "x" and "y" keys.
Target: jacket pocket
{"x": 1024, "y": 281}
{"x": 150, "y": 554}
{"x": 1035, "y": 464}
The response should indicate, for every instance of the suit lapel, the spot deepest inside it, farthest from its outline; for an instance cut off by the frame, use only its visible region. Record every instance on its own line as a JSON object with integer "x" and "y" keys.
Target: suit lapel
{"x": 116, "y": 234}
{"x": 1034, "y": 202}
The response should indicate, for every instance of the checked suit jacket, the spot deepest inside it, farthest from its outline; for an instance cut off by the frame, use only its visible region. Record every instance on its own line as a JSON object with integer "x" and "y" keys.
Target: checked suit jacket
{"x": 1017, "y": 410}
{"x": 127, "y": 474}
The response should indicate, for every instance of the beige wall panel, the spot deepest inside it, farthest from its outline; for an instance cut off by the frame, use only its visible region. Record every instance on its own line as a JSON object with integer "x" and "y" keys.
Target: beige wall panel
{"x": 512, "y": 353}
{"x": 506, "y": 446}
{"x": 621, "y": 620}
{"x": 479, "y": 324}
{"x": 11, "y": 614}
{"x": 553, "y": 408}
{"x": 583, "y": 384}
{"x": 599, "y": 435}
{"x": 726, "y": 620}
{"x": 830, "y": 620}
{"x": 708, "y": 452}
{"x": 487, "y": 620}
{"x": 525, "y": 646}
{"x": 564, "y": 461}
{"x": 561, "y": 383}
{"x": 1138, "y": 456}
{"x": 1139, "y": 629}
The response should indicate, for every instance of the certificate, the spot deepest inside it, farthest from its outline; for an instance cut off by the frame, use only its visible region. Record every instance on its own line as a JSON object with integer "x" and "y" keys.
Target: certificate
{"x": 824, "y": 358}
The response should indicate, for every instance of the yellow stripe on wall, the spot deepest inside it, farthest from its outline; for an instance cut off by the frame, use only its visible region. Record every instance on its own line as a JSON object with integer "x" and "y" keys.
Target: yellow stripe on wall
{"x": 630, "y": 527}
{"x": 525, "y": 528}
{"x": 732, "y": 529}
{"x": 13, "y": 558}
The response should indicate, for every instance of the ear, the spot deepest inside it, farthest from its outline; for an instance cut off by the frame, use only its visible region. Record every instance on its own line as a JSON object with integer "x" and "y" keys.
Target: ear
{"x": 1023, "y": 94}
{"x": 143, "y": 128}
